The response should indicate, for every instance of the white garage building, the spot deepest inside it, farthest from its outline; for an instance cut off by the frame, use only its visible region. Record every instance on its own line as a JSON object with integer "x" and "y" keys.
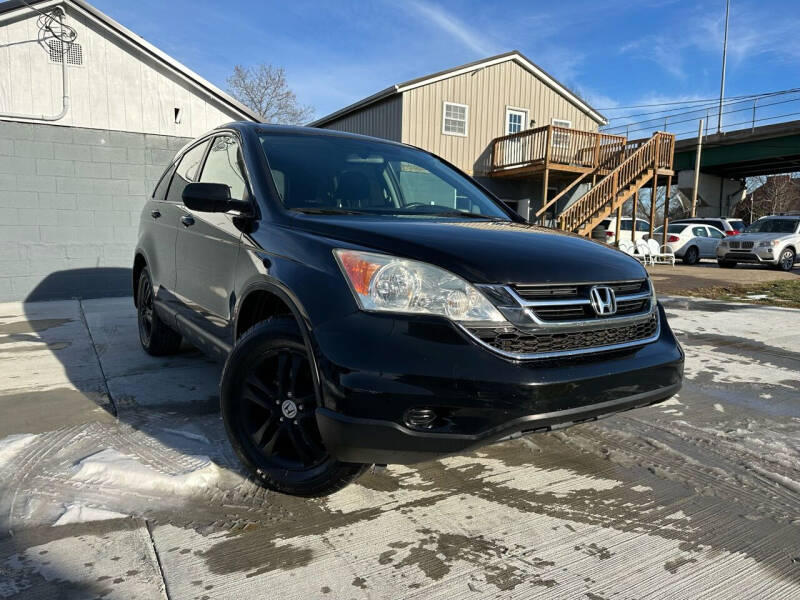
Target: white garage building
{"x": 90, "y": 114}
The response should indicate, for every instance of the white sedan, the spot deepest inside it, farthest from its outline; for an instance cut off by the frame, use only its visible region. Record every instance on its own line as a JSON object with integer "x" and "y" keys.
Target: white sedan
{"x": 691, "y": 241}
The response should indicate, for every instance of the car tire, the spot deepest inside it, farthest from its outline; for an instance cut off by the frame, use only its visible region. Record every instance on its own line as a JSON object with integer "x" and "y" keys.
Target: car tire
{"x": 268, "y": 398}
{"x": 691, "y": 256}
{"x": 726, "y": 264}
{"x": 155, "y": 336}
{"x": 786, "y": 260}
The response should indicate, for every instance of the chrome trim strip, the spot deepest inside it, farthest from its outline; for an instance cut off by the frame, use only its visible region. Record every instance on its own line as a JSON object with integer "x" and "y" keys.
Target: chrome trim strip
{"x": 576, "y": 302}
{"x": 566, "y": 353}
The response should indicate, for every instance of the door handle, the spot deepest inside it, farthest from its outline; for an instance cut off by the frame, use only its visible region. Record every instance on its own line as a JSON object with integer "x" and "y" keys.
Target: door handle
{"x": 187, "y": 220}
{"x": 155, "y": 214}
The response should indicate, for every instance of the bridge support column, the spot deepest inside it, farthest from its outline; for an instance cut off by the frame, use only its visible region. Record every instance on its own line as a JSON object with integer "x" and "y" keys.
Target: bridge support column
{"x": 716, "y": 196}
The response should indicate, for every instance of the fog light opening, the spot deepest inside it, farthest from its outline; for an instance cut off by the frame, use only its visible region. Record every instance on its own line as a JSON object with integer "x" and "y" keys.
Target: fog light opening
{"x": 420, "y": 418}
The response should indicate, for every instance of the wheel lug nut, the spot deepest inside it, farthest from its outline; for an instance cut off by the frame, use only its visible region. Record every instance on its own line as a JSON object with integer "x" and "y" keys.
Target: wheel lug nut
{"x": 281, "y": 419}
{"x": 277, "y": 401}
{"x": 299, "y": 407}
{"x": 295, "y": 422}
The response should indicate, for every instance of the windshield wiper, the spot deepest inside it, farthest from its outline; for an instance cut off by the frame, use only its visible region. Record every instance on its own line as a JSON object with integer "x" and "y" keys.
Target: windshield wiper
{"x": 309, "y": 210}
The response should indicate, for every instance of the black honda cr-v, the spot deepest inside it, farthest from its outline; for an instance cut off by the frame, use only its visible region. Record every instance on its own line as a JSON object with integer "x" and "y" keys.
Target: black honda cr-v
{"x": 373, "y": 304}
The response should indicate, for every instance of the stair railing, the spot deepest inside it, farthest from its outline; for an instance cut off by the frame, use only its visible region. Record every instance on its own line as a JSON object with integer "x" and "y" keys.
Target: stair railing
{"x": 655, "y": 152}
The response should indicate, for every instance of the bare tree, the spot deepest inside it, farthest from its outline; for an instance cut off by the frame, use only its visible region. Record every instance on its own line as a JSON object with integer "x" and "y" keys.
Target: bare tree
{"x": 264, "y": 89}
{"x": 769, "y": 195}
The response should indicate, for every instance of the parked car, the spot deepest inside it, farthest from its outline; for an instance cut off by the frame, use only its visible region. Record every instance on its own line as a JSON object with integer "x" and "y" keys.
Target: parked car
{"x": 373, "y": 304}
{"x": 770, "y": 240}
{"x": 727, "y": 225}
{"x": 607, "y": 230}
{"x": 690, "y": 242}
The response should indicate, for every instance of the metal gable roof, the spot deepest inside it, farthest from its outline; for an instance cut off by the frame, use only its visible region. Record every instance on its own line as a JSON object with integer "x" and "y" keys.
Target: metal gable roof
{"x": 513, "y": 55}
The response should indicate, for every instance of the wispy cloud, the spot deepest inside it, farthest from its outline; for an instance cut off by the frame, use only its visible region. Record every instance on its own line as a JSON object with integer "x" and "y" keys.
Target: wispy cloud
{"x": 452, "y": 26}
{"x": 753, "y": 35}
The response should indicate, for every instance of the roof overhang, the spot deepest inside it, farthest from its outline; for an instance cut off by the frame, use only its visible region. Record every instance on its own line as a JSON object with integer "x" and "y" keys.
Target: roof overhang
{"x": 514, "y": 56}
{"x": 15, "y": 9}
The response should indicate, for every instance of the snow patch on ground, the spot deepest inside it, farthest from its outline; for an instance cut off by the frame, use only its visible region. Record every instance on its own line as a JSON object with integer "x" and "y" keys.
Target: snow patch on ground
{"x": 718, "y": 407}
{"x": 671, "y": 402}
{"x": 78, "y": 513}
{"x": 11, "y": 445}
{"x": 112, "y": 468}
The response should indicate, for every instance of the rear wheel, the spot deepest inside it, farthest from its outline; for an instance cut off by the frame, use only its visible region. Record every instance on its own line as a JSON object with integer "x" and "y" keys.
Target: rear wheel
{"x": 692, "y": 256}
{"x": 726, "y": 264}
{"x": 155, "y": 335}
{"x": 786, "y": 261}
{"x": 268, "y": 401}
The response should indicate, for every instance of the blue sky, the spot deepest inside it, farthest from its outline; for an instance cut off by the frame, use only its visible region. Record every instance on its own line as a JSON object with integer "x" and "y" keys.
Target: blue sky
{"x": 612, "y": 52}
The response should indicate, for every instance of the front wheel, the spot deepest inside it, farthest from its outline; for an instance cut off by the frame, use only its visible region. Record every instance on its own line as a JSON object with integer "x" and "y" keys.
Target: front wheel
{"x": 786, "y": 261}
{"x": 692, "y": 256}
{"x": 268, "y": 400}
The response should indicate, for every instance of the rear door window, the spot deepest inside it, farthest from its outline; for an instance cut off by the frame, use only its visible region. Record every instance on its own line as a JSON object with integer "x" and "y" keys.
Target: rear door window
{"x": 699, "y": 231}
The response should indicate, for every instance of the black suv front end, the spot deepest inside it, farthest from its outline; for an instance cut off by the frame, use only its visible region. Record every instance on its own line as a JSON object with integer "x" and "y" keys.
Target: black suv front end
{"x": 404, "y": 389}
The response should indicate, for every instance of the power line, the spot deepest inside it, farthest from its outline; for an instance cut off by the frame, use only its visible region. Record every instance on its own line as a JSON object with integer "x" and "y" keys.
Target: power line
{"x": 729, "y": 102}
{"x": 657, "y": 121}
{"x": 687, "y": 102}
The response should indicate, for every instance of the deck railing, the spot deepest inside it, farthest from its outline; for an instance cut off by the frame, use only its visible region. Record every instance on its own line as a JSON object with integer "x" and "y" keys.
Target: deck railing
{"x": 557, "y": 146}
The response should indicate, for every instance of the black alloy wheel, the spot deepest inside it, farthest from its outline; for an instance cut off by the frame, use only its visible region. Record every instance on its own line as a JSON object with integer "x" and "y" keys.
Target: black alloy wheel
{"x": 268, "y": 398}
{"x": 155, "y": 335}
{"x": 146, "y": 310}
{"x": 276, "y": 416}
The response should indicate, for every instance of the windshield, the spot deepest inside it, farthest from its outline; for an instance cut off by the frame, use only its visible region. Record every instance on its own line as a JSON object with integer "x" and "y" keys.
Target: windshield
{"x": 773, "y": 226}
{"x": 339, "y": 175}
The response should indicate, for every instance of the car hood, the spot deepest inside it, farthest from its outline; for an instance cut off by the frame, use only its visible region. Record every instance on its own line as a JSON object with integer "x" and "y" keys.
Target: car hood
{"x": 759, "y": 237}
{"x": 482, "y": 251}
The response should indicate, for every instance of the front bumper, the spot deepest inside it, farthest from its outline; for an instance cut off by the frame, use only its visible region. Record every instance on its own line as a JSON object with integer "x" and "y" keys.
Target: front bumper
{"x": 752, "y": 255}
{"x": 373, "y": 368}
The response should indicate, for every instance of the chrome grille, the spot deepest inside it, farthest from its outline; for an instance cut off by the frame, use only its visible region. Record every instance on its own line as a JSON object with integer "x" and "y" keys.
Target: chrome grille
{"x": 742, "y": 245}
{"x": 559, "y": 320}
{"x": 514, "y": 341}
{"x": 571, "y": 303}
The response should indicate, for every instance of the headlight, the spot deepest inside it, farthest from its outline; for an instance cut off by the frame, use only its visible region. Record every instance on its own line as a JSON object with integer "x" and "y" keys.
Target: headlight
{"x": 768, "y": 243}
{"x": 723, "y": 243}
{"x": 385, "y": 283}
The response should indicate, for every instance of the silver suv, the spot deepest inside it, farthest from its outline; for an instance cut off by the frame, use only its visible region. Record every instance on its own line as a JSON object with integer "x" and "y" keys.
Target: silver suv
{"x": 770, "y": 240}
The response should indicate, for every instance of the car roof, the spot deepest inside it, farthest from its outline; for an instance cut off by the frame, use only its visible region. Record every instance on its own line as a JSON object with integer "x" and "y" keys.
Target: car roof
{"x": 299, "y": 129}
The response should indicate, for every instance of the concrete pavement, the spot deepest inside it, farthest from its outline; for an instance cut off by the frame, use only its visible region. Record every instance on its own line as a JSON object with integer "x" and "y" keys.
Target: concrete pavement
{"x": 116, "y": 481}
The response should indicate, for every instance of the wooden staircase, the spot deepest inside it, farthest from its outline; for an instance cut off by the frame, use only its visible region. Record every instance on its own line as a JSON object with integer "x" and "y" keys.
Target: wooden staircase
{"x": 643, "y": 162}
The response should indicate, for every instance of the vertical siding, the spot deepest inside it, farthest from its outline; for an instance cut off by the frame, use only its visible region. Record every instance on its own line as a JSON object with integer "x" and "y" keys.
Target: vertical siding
{"x": 117, "y": 87}
{"x": 487, "y": 92}
{"x": 381, "y": 119}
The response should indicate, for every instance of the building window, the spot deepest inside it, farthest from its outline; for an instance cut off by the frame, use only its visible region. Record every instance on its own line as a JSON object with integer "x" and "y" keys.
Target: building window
{"x": 561, "y": 138}
{"x": 454, "y": 119}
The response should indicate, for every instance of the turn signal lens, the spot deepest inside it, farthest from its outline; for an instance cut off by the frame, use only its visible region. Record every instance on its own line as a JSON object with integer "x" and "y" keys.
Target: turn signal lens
{"x": 359, "y": 270}
{"x": 389, "y": 284}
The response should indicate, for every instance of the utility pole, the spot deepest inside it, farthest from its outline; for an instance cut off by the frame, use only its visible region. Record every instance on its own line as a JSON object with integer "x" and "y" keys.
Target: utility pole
{"x": 697, "y": 166}
{"x": 724, "y": 60}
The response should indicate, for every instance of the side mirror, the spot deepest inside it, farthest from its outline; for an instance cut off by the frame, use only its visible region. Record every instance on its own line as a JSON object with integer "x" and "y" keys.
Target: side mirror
{"x": 211, "y": 197}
